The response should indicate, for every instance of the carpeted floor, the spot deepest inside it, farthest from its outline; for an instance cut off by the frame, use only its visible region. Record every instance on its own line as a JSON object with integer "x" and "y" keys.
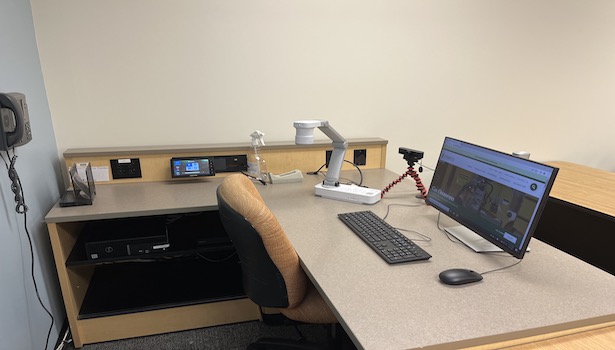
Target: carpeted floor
{"x": 229, "y": 337}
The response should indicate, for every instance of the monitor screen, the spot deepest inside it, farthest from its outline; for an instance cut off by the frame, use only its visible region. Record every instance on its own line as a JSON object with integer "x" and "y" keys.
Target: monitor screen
{"x": 496, "y": 197}
{"x": 192, "y": 167}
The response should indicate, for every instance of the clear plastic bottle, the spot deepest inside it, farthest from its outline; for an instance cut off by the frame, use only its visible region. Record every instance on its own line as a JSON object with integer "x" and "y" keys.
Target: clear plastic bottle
{"x": 256, "y": 164}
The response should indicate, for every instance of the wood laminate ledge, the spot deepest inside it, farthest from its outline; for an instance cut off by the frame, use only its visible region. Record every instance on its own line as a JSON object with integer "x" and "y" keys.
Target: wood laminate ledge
{"x": 215, "y": 147}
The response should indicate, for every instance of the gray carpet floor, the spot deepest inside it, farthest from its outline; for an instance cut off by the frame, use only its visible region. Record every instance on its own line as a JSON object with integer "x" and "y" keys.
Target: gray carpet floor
{"x": 228, "y": 337}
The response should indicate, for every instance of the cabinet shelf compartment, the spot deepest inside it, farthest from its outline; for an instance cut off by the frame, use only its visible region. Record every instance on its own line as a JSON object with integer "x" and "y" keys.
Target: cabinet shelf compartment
{"x": 128, "y": 287}
{"x": 188, "y": 234}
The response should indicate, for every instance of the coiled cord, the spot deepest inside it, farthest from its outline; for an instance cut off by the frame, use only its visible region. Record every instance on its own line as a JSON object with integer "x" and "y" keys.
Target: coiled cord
{"x": 20, "y": 206}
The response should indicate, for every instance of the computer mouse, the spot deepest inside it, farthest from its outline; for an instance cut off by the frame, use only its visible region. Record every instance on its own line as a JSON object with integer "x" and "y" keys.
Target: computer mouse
{"x": 459, "y": 276}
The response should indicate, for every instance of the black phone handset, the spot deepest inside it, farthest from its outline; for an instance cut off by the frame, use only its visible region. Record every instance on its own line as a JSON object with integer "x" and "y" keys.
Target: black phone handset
{"x": 9, "y": 137}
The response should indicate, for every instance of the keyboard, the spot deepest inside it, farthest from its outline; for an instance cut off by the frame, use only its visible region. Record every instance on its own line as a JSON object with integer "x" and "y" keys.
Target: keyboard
{"x": 384, "y": 239}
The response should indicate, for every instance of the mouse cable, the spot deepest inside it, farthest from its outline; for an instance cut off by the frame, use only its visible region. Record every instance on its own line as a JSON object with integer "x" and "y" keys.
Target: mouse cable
{"x": 21, "y": 208}
{"x": 459, "y": 242}
{"x": 501, "y": 268}
{"x": 425, "y": 237}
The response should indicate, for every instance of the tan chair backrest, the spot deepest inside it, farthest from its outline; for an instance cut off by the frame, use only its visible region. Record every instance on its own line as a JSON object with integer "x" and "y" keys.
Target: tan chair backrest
{"x": 241, "y": 195}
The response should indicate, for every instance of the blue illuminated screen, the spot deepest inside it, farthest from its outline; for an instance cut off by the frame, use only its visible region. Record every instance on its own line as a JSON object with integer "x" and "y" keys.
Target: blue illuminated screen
{"x": 192, "y": 167}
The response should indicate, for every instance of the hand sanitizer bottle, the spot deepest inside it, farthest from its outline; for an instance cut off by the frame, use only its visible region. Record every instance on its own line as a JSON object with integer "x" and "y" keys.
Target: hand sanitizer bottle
{"x": 256, "y": 164}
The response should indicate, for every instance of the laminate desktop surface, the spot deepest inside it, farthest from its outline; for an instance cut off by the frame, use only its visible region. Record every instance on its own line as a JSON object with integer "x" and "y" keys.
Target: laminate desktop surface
{"x": 406, "y": 306}
{"x": 403, "y": 306}
{"x": 141, "y": 199}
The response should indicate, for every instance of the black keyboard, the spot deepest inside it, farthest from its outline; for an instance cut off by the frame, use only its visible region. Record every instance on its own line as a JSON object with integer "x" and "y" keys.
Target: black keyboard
{"x": 383, "y": 238}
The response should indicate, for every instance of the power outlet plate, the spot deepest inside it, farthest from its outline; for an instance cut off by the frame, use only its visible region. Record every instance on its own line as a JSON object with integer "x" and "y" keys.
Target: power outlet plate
{"x": 234, "y": 163}
{"x": 360, "y": 156}
{"x": 327, "y": 158}
{"x": 128, "y": 168}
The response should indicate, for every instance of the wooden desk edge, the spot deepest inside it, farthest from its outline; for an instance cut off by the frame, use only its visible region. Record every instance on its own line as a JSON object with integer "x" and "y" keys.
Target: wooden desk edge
{"x": 562, "y": 339}
{"x": 270, "y": 145}
{"x": 584, "y": 186}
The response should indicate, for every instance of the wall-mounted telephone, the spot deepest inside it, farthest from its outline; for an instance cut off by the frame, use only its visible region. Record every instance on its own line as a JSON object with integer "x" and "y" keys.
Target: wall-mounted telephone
{"x": 15, "y": 121}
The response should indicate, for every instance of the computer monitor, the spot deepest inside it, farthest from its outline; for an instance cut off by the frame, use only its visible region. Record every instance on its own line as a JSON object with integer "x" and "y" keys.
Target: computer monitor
{"x": 496, "y": 197}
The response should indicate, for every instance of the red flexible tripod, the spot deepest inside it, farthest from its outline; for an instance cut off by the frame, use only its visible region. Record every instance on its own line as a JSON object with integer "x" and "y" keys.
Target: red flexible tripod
{"x": 411, "y": 156}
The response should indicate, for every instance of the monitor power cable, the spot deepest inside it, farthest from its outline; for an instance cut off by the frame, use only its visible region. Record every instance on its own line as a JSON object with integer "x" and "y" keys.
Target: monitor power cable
{"x": 501, "y": 268}
{"x": 446, "y": 233}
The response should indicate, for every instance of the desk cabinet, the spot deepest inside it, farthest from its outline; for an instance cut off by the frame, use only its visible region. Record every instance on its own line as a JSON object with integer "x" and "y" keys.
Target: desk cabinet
{"x": 579, "y": 218}
{"x": 195, "y": 283}
{"x": 109, "y": 300}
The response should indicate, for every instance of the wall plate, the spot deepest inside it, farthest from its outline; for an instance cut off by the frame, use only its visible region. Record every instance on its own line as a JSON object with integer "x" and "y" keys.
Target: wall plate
{"x": 127, "y": 168}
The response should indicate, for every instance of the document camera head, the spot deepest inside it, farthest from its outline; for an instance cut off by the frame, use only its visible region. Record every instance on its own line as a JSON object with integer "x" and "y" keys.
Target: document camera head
{"x": 305, "y": 130}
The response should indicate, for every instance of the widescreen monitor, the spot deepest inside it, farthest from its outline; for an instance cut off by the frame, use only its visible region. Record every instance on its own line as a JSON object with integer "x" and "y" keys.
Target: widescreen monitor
{"x": 496, "y": 197}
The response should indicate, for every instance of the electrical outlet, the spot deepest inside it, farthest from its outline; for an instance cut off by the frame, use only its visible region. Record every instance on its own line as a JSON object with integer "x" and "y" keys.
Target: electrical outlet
{"x": 360, "y": 156}
{"x": 233, "y": 163}
{"x": 127, "y": 168}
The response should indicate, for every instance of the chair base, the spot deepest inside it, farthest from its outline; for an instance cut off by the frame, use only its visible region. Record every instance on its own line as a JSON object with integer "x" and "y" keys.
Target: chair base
{"x": 337, "y": 339}
{"x": 284, "y": 344}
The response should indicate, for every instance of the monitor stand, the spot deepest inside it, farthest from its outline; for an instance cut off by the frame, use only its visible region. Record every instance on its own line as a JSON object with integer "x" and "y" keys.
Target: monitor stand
{"x": 472, "y": 240}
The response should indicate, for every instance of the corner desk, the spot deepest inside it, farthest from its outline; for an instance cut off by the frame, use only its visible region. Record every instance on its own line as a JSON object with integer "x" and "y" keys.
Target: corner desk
{"x": 188, "y": 286}
{"x": 385, "y": 306}
{"x": 380, "y": 306}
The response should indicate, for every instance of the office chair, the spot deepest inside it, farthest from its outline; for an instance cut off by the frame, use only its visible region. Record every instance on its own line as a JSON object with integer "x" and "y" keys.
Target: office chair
{"x": 272, "y": 276}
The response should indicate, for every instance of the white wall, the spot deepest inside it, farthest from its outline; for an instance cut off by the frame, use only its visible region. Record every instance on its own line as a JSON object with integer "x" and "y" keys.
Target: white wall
{"x": 23, "y": 322}
{"x": 511, "y": 75}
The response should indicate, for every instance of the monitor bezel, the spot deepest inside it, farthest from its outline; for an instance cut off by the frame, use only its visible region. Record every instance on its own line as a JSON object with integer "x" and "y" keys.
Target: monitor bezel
{"x": 533, "y": 224}
{"x": 210, "y": 160}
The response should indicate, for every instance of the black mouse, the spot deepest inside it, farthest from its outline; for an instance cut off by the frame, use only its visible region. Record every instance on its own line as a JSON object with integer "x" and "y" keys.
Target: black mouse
{"x": 459, "y": 276}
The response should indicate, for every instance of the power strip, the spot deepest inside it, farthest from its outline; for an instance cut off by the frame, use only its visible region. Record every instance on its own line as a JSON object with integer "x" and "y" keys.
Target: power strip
{"x": 348, "y": 193}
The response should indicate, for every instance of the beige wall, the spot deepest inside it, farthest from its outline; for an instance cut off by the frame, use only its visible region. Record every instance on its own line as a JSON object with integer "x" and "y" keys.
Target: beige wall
{"x": 511, "y": 75}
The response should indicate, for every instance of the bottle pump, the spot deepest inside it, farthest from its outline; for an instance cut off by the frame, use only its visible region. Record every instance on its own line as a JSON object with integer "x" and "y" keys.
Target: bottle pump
{"x": 256, "y": 164}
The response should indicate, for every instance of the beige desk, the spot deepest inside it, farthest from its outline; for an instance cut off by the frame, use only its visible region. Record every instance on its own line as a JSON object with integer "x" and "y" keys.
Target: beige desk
{"x": 381, "y": 306}
{"x": 156, "y": 194}
{"x": 406, "y": 307}
{"x": 125, "y": 201}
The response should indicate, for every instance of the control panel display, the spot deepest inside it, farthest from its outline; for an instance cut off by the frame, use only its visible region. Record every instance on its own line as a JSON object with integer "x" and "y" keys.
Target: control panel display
{"x": 192, "y": 167}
